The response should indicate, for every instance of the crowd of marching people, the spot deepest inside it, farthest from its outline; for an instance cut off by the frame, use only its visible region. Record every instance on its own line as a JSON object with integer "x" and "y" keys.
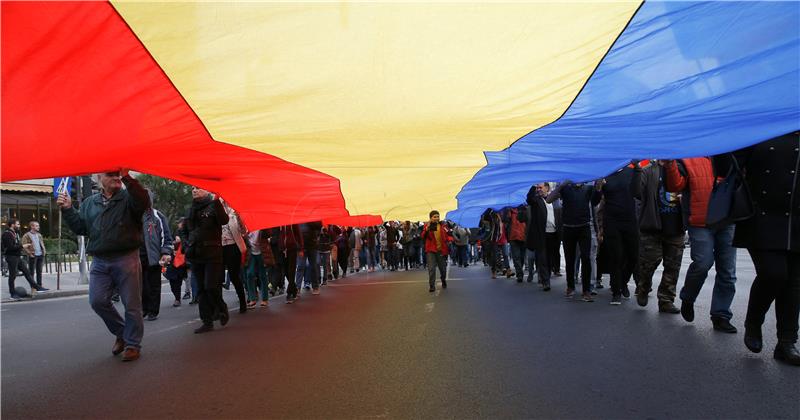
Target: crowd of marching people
{"x": 630, "y": 222}
{"x": 624, "y": 225}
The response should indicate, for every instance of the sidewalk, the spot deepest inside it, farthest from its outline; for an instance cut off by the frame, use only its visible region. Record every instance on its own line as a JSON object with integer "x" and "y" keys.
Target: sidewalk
{"x": 69, "y": 287}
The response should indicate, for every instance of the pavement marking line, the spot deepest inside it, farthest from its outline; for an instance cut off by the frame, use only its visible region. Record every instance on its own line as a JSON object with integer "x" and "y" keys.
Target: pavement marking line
{"x": 55, "y": 299}
{"x": 429, "y": 307}
{"x": 386, "y": 282}
{"x": 175, "y": 327}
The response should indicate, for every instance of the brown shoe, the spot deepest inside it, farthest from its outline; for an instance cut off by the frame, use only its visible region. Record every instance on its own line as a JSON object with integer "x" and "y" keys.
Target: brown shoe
{"x": 130, "y": 354}
{"x": 119, "y": 346}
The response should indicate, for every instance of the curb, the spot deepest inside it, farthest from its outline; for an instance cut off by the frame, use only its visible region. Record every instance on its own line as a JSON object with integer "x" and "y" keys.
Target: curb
{"x": 49, "y": 295}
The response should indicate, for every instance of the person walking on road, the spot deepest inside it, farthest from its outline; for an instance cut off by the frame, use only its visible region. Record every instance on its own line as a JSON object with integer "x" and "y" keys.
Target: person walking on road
{"x": 155, "y": 253}
{"x": 436, "y": 239}
{"x": 536, "y": 216}
{"x": 33, "y": 244}
{"x": 772, "y": 237}
{"x": 709, "y": 246}
{"x": 204, "y": 252}
{"x": 233, "y": 251}
{"x": 576, "y": 216}
{"x": 620, "y": 229}
{"x": 112, "y": 219}
{"x": 12, "y": 249}
{"x": 661, "y": 236}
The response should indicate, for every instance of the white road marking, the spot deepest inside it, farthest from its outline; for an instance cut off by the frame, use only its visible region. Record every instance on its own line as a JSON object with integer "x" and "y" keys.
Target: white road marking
{"x": 386, "y": 282}
{"x": 175, "y": 327}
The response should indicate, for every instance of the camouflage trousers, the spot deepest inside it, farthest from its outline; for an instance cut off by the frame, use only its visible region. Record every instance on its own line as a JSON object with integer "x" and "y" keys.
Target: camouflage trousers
{"x": 653, "y": 248}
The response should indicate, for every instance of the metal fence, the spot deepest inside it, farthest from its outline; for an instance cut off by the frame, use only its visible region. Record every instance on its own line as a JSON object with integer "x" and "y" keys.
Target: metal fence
{"x": 68, "y": 262}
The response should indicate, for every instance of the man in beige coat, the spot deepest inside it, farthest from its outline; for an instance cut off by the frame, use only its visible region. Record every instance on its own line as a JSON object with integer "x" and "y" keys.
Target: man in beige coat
{"x": 33, "y": 244}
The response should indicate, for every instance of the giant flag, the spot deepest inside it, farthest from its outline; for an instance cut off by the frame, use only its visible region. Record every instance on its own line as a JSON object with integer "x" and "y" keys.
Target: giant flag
{"x": 313, "y": 111}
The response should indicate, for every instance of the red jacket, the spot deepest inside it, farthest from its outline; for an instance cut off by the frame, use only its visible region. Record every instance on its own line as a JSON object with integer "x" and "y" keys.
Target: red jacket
{"x": 517, "y": 228}
{"x": 696, "y": 186}
{"x": 430, "y": 239}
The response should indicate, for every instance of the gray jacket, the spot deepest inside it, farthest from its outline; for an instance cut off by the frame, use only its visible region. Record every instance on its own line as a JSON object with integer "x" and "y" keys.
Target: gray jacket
{"x": 157, "y": 236}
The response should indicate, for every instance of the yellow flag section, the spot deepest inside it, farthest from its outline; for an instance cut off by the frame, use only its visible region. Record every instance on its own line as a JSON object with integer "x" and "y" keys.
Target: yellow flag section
{"x": 397, "y": 100}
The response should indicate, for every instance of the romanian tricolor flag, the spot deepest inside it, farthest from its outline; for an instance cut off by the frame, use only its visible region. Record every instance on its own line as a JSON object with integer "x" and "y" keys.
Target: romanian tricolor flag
{"x": 296, "y": 112}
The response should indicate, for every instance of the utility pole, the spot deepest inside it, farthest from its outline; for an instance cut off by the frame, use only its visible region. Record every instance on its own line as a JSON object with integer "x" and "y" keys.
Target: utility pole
{"x": 82, "y": 262}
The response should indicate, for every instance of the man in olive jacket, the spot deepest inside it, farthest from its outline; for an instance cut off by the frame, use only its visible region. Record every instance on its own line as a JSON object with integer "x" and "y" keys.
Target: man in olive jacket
{"x": 112, "y": 219}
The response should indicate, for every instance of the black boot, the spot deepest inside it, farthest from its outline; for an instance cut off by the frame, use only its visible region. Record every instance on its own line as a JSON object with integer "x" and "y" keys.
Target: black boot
{"x": 224, "y": 316}
{"x": 723, "y": 325}
{"x": 204, "y": 328}
{"x": 687, "y": 310}
{"x": 752, "y": 339}
{"x": 787, "y": 352}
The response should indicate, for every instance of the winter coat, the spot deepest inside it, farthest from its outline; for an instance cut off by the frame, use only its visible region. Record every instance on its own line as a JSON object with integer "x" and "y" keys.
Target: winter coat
{"x": 113, "y": 229}
{"x": 310, "y": 232}
{"x": 535, "y": 218}
{"x": 645, "y": 189}
{"x": 157, "y": 238}
{"x": 291, "y": 238}
{"x": 11, "y": 243}
{"x": 617, "y": 192}
{"x": 204, "y": 227}
{"x": 517, "y": 229}
{"x": 771, "y": 172}
{"x": 461, "y": 236}
{"x": 27, "y": 243}
{"x": 430, "y": 238}
{"x": 694, "y": 178}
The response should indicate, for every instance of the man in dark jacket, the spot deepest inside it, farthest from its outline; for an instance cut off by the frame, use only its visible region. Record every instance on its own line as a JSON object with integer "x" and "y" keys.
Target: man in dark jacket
{"x": 204, "y": 251}
{"x": 535, "y": 218}
{"x": 12, "y": 249}
{"x": 772, "y": 237}
{"x": 154, "y": 254}
{"x": 291, "y": 248}
{"x": 112, "y": 219}
{"x": 576, "y": 215}
{"x": 662, "y": 234}
{"x": 620, "y": 230}
{"x": 308, "y": 262}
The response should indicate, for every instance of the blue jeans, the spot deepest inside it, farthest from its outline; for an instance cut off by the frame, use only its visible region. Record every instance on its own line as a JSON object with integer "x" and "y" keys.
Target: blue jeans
{"x": 193, "y": 282}
{"x": 506, "y": 251}
{"x": 256, "y": 272}
{"x": 530, "y": 262}
{"x": 712, "y": 248}
{"x": 370, "y": 257}
{"x": 307, "y": 269}
{"x": 122, "y": 275}
{"x": 518, "y": 255}
{"x": 325, "y": 261}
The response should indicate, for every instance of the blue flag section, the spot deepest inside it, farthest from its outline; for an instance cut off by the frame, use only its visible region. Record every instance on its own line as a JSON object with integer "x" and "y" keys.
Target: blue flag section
{"x": 684, "y": 79}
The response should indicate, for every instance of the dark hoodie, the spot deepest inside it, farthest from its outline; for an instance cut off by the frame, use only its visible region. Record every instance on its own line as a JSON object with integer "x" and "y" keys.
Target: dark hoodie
{"x": 535, "y": 217}
{"x": 204, "y": 227}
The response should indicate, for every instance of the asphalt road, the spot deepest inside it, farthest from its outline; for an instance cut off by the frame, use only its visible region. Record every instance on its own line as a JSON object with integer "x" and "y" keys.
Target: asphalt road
{"x": 380, "y": 346}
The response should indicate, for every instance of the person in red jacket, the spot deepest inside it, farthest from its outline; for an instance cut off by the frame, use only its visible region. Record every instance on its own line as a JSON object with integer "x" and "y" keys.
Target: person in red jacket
{"x": 437, "y": 238}
{"x": 694, "y": 178}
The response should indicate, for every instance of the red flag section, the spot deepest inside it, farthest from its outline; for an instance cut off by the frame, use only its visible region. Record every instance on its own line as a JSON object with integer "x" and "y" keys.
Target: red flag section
{"x": 82, "y": 95}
